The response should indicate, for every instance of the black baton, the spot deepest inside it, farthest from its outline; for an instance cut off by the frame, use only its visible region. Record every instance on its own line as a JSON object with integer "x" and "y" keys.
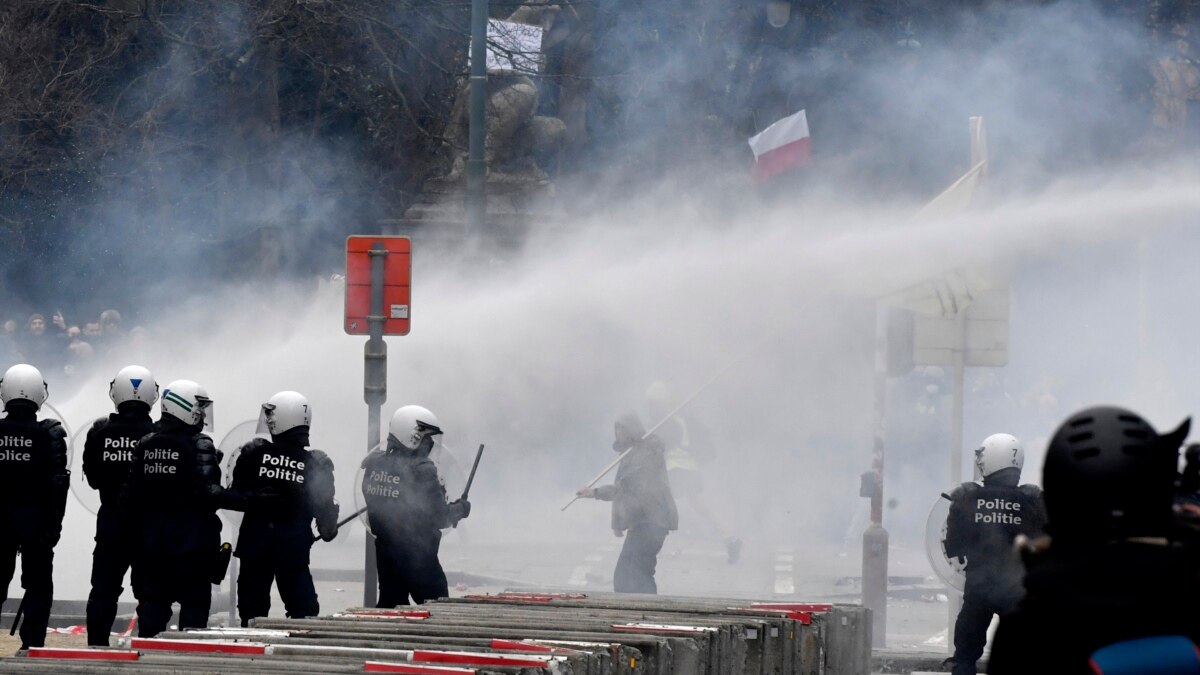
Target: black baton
{"x": 471, "y": 478}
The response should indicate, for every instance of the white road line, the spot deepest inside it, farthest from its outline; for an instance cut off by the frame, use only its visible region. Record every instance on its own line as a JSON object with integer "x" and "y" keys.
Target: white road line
{"x": 784, "y": 572}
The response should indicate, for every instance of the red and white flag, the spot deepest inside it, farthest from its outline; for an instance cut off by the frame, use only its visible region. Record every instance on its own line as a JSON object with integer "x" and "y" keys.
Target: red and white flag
{"x": 781, "y": 146}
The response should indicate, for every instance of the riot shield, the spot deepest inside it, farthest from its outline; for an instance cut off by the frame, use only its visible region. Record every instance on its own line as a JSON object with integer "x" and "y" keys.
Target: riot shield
{"x": 231, "y": 446}
{"x": 949, "y": 570}
{"x": 80, "y": 490}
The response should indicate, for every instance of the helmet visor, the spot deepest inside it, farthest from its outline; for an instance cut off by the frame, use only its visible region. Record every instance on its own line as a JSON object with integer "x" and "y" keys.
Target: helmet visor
{"x": 264, "y": 417}
{"x": 206, "y": 412}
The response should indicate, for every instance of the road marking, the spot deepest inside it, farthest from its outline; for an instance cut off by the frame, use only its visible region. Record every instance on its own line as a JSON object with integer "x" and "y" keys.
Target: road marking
{"x": 784, "y": 572}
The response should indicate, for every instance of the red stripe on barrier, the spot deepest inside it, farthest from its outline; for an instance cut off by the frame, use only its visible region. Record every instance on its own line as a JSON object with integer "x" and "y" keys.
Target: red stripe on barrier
{"x": 85, "y": 654}
{"x": 796, "y": 606}
{"x": 803, "y": 617}
{"x": 521, "y": 646}
{"x": 481, "y": 659}
{"x": 414, "y": 669}
{"x": 200, "y": 646}
{"x": 399, "y": 613}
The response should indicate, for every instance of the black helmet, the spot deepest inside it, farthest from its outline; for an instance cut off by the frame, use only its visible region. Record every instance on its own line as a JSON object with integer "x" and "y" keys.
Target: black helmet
{"x": 1109, "y": 475}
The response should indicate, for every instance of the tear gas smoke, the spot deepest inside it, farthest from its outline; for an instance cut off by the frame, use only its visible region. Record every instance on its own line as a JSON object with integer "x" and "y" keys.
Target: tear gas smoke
{"x": 537, "y": 352}
{"x": 538, "y": 356}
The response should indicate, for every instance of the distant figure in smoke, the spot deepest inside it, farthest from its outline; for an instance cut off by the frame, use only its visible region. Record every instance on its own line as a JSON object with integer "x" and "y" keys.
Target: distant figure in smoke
{"x": 282, "y": 485}
{"x": 33, "y": 495}
{"x": 982, "y": 524}
{"x": 171, "y": 504}
{"x": 39, "y": 348}
{"x": 1107, "y": 573}
{"x": 107, "y": 458}
{"x": 643, "y": 509}
{"x": 689, "y": 448}
{"x": 407, "y": 510}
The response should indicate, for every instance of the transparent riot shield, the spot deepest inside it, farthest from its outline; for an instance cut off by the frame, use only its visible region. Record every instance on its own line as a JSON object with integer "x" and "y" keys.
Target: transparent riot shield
{"x": 949, "y": 570}
{"x": 80, "y": 490}
{"x": 231, "y": 446}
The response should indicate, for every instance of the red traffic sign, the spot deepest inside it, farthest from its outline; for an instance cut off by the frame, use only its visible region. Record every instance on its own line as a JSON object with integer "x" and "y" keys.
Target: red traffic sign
{"x": 397, "y": 283}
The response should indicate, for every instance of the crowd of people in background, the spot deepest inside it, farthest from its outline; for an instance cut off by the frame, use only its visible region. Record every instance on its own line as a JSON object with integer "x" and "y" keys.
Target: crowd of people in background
{"x": 65, "y": 351}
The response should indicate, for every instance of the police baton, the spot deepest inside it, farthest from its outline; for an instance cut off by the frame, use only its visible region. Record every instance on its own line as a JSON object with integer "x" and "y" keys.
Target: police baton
{"x": 17, "y": 617}
{"x": 345, "y": 520}
{"x": 471, "y": 477}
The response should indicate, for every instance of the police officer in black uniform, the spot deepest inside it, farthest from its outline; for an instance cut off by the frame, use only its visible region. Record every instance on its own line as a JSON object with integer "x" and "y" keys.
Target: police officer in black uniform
{"x": 282, "y": 486}
{"x": 107, "y": 456}
{"x": 407, "y": 509}
{"x": 171, "y": 502}
{"x": 33, "y": 495}
{"x": 981, "y": 526}
{"x": 1108, "y": 571}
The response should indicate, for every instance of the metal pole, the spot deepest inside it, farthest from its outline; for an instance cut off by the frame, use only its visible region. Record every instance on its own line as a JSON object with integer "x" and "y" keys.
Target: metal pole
{"x": 875, "y": 538}
{"x": 233, "y": 574}
{"x": 956, "y": 451}
{"x": 374, "y": 393}
{"x": 476, "y": 195}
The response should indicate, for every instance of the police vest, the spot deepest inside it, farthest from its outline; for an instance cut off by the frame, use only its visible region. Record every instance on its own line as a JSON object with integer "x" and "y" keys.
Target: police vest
{"x": 276, "y": 467}
{"x": 403, "y": 490}
{"x": 989, "y": 518}
{"x": 109, "y": 450}
{"x": 25, "y": 466}
{"x": 168, "y": 469}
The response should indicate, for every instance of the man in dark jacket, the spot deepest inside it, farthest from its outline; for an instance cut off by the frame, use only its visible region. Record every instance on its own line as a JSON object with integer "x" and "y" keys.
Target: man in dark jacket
{"x": 282, "y": 486}
{"x": 407, "y": 510}
{"x": 1107, "y": 573}
{"x": 107, "y": 456}
{"x": 982, "y": 524}
{"x": 643, "y": 509}
{"x": 33, "y": 495}
{"x": 171, "y": 502}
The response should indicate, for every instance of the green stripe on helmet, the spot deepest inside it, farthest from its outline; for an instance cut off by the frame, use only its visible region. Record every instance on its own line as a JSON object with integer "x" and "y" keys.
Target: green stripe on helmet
{"x": 177, "y": 400}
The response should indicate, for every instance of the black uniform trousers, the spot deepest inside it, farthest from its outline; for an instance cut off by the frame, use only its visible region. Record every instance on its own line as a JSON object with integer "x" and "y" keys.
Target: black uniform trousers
{"x": 173, "y": 577}
{"x": 112, "y": 557}
{"x": 409, "y": 566}
{"x": 37, "y": 578}
{"x": 639, "y": 558}
{"x": 983, "y": 597}
{"x": 295, "y": 588}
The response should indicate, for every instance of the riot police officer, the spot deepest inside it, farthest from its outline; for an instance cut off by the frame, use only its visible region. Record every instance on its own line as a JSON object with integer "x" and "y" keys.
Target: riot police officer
{"x": 282, "y": 486}
{"x": 107, "y": 456}
{"x": 407, "y": 509}
{"x": 171, "y": 502}
{"x": 33, "y": 495}
{"x": 1108, "y": 571}
{"x": 981, "y": 526}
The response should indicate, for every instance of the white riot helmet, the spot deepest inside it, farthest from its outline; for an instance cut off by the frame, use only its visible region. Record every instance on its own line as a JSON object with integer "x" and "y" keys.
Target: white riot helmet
{"x": 999, "y": 451}
{"x": 283, "y": 411}
{"x": 187, "y": 401}
{"x": 411, "y": 424}
{"x": 133, "y": 383}
{"x": 23, "y": 382}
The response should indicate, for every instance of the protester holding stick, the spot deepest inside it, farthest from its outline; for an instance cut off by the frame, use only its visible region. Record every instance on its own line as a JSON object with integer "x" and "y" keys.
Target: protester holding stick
{"x": 643, "y": 509}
